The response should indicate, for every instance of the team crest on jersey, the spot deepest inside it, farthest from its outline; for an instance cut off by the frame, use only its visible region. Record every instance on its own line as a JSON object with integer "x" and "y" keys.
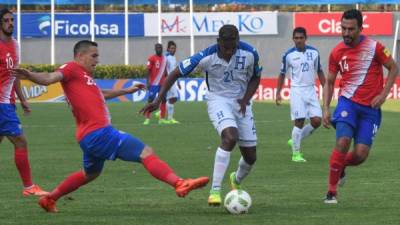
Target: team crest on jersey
{"x": 344, "y": 113}
{"x": 386, "y": 51}
{"x": 186, "y": 63}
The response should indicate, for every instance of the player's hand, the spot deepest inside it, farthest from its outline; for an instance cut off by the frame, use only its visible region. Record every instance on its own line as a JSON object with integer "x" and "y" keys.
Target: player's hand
{"x": 150, "y": 107}
{"x": 278, "y": 99}
{"x": 26, "y": 108}
{"x": 326, "y": 119}
{"x": 378, "y": 101}
{"x": 136, "y": 87}
{"x": 20, "y": 73}
{"x": 243, "y": 105}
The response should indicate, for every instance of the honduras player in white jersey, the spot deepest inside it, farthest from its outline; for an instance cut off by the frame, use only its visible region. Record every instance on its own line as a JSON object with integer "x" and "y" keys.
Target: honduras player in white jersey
{"x": 232, "y": 75}
{"x": 173, "y": 93}
{"x": 303, "y": 61}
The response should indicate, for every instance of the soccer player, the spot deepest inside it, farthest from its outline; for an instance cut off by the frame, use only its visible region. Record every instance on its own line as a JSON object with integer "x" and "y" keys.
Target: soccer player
{"x": 10, "y": 125}
{"x": 157, "y": 71}
{"x": 172, "y": 95}
{"x": 357, "y": 116}
{"x": 98, "y": 140}
{"x": 233, "y": 75}
{"x": 303, "y": 62}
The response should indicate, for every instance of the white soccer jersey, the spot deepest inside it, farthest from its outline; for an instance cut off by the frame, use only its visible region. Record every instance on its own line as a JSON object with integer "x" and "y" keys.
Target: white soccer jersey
{"x": 171, "y": 62}
{"x": 225, "y": 79}
{"x": 303, "y": 66}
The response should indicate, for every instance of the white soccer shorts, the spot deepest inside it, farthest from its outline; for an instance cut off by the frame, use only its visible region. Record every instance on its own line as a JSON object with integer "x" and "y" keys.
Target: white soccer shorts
{"x": 224, "y": 113}
{"x": 304, "y": 103}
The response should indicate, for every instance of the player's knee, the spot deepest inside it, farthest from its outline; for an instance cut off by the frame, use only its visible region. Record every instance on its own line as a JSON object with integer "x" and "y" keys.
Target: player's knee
{"x": 316, "y": 122}
{"x": 343, "y": 144}
{"x": 229, "y": 141}
{"x": 20, "y": 142}
{"x": 146, "y": 152}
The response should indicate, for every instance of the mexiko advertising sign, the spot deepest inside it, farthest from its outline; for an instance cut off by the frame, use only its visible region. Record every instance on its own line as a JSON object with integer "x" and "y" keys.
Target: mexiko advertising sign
{"x": 178, "y": 24}
{"x": 328, "y": 24}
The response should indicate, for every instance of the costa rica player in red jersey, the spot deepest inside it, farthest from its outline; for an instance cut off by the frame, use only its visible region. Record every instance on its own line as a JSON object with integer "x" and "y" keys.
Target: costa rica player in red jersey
{"x": 357, "y": 116}
{"x": 157, "y": 72}
{"x": 10, "y": 125}
{"x": 98, "y": 140}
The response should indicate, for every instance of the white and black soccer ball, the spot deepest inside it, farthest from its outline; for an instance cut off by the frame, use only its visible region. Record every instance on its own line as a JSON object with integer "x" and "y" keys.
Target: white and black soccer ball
{"x": 237, "y": 202}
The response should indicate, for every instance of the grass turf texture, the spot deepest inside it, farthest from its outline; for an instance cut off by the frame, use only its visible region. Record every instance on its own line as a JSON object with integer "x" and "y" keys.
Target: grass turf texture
{"x": 283, "y": 192}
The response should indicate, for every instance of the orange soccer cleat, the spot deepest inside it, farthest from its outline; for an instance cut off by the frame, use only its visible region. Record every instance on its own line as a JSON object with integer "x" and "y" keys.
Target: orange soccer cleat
{"x": 48, "y": 204}
{"x": 34, "y": 190}
{"x": 183, "y": 187}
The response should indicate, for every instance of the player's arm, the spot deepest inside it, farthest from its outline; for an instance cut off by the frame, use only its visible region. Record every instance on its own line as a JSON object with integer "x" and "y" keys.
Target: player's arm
{"x": 38, "y": 78}
{"x": 327, "y": 97}
{"x": 281, "y": 80}
{"x": 171, "y": 78}
{"x": 321, "y": 77}
{"x": 108, "y": 93}
{"x": 391, "y": 66}
{"x": 21, "y": 97}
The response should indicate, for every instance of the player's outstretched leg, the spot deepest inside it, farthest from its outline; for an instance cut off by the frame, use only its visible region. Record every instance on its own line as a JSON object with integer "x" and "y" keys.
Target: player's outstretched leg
{"x": 70, "y": 184}
{"x": 161, "y": 171}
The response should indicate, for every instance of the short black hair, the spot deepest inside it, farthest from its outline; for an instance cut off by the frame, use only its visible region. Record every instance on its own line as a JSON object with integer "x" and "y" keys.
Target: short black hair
{"x": 300, "y": 30}
{"x": 228, "y": 32}
{"x": 171, "y": 43}
{"x": 83, "y": 46}
{"x": 353, "y": 14}
{"x": 3, "y": 12}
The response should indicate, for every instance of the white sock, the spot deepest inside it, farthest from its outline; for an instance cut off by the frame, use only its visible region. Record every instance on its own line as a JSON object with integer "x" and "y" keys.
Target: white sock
{"x": 170, "y": 110}
{"x": 221, "y": 163}
{"x": 296, "y": 138}
{"x": 306, "y": 131}
{"x": 243, "y": 170}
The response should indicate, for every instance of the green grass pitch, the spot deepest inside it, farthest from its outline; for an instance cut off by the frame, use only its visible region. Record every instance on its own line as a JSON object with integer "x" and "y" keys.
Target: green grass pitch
{"x": 283, "y": 192}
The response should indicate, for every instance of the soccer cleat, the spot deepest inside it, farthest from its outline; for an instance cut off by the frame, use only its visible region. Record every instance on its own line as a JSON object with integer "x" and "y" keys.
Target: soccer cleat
{"x": 234, "y": 184}
{"x": 34, "y": 190}
{"x": 290, "y": 143}
{"x": 330, "y": 198}
{"x": 183, "y": 187}
{"x": 157, "y": 114}
{"x": 173, "y": 121}
{"x": 163, "y": 121}
{"x": 48, "y": 204}
{"x": 298, "y": 157}
{"x": 342, "y": 179}
{"x": 215, "y": 198}
{"x": 146, "y": 122}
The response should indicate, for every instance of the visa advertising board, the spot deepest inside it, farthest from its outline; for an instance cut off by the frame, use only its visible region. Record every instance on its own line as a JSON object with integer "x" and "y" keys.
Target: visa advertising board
{"x": 193, "y": 89}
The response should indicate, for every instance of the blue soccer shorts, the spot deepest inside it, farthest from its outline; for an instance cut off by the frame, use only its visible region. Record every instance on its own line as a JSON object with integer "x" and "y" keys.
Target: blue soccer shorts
{"x": 356, "y": 121}
{"x": 9, "y": 122}
{"x": 108, "y": 144}
{"x": 153, "y": 91}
